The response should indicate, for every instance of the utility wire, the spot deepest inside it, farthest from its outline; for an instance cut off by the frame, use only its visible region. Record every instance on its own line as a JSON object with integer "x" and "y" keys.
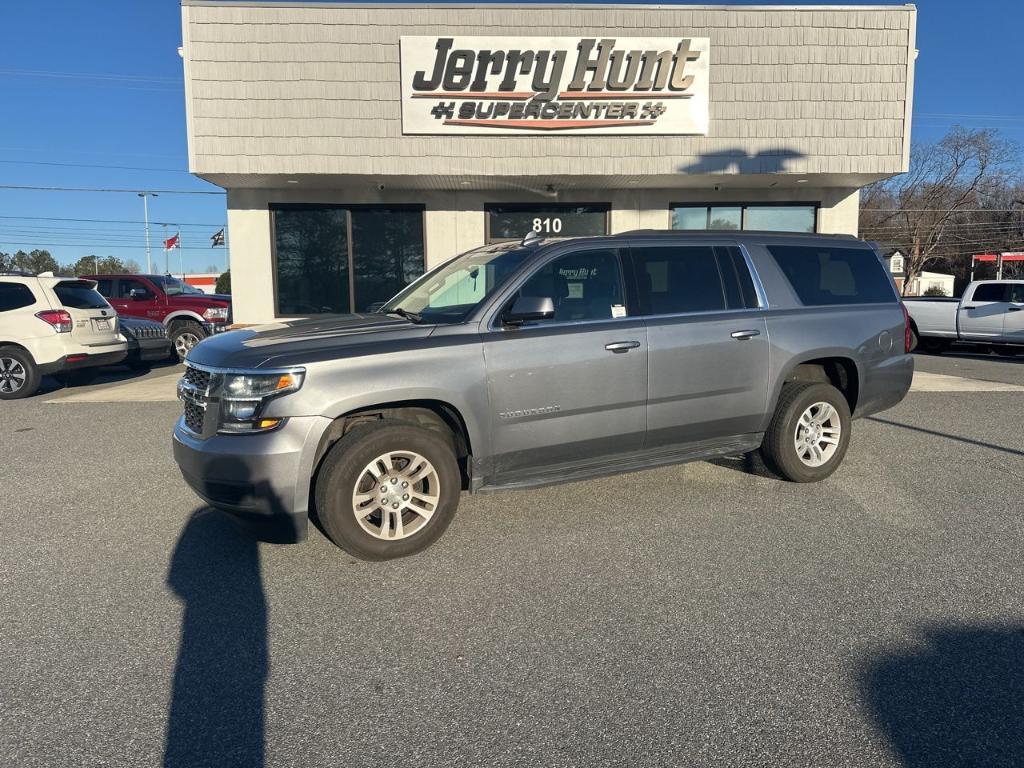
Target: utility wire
{"x": 105, "y": 221}
{"x": 91, "y": 189}
{"x": 88, "y": 165}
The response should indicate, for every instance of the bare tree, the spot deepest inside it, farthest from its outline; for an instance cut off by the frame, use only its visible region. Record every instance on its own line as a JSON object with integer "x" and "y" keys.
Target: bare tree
{"x": 921, "y": 212}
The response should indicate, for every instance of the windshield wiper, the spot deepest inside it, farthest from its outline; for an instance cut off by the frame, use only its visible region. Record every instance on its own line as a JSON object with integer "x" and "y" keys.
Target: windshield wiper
{"x": 412, "y": 317}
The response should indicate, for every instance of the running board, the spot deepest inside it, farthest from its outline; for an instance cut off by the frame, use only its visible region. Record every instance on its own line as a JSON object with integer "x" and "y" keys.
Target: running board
{"x": 629, "y": 462}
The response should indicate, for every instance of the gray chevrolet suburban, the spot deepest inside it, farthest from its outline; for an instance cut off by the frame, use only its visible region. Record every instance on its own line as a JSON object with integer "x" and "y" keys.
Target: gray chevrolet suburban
{"x": 543, "y": 361}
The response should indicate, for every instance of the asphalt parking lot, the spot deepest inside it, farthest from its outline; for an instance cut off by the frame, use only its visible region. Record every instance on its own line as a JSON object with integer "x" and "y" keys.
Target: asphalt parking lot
{"x": 701, "y": 615}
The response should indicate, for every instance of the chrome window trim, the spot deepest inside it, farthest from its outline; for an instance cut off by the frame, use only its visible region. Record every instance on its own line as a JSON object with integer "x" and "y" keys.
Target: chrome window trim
{"x": 762, "y": 297}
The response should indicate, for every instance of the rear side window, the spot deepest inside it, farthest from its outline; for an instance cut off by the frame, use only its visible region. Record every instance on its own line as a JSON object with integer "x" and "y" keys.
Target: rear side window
{"x": 1017, "y": 295}
{"x": 681, "y": 279}
{"x": 673, "y": 279}
{"x": 78, "y": 295}
{"x": 105, "y": 286}
{"x": 15, "y": 296}
{"x": 823, "y": 275}
{"x": 990, "y": 292}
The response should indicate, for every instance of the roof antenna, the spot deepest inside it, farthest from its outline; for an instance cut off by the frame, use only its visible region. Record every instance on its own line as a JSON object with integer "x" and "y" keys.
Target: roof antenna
{"x": 532, "y": 238}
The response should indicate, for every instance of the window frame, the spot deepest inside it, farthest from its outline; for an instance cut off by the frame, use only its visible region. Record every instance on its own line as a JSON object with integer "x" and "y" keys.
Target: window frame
{"x": 26, "y": 289}
{"x": 759, "y": 292}
{"x": 743, "y": 205}
{"x": 499, "y": 302}
{"x": 274, "y": 208}
{"x": 1007, "y": 290}
{"x": 521, "y": 207}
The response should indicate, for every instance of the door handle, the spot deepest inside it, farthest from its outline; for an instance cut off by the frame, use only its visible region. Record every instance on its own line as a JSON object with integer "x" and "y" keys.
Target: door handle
{"x": 741, "y": 335}
{"x": 618, "y": 347}
{"x": 970, "y": 307}
{"x": 1014, "y": 309}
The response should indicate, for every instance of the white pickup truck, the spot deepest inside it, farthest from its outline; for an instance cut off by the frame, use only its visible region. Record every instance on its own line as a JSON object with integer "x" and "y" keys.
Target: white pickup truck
{"x": 990, "y": 314}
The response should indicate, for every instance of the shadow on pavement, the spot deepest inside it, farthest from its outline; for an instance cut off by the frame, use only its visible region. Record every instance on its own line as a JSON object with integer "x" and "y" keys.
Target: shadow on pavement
{"x": 957, "y": 438}
{"x": 748, "y": 463}
{"x": 957, "y": 700}
{"x": 216, "y": 714}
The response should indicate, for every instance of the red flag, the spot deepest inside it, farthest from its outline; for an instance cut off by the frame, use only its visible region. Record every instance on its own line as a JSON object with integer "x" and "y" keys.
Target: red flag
{"x": 171, "y": 242}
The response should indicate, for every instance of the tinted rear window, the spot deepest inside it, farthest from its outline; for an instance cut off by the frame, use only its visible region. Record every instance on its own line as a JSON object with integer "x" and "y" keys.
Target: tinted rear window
{"x": 675, "y": 279}
{"x": 76, "y": 295}
{"x": 991, "y": 292}
{"x": 823, "y": 275}
{"x": 15, "y": 296}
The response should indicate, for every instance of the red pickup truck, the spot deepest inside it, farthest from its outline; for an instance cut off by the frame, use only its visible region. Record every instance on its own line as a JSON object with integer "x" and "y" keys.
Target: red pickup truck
{"x": 189, "y": 314}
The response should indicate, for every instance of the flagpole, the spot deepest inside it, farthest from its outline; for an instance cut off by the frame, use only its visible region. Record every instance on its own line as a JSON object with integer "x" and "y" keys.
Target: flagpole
{"x": 167, "y": 269}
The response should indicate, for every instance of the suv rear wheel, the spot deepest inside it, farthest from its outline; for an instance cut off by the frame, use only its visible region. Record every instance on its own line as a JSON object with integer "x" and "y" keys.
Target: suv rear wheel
{"x": 19, "y": 376}
{"x": 809, "y": 433}
{"x": 388, "y": 490}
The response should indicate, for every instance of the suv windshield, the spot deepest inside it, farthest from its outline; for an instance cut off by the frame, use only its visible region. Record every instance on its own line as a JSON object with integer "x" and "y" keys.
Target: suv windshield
{"x": 172, "y": 286}
{"x": 451, "y": 292}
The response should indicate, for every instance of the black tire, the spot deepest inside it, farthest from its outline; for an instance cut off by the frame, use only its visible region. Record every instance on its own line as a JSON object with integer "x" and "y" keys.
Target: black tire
{"x": 934, "y": 346}
{"x": 779, "y": 448}
{"x": 342, "y": 469}
{"x": 183, "y": 333}
{"x": 22, "y": 377}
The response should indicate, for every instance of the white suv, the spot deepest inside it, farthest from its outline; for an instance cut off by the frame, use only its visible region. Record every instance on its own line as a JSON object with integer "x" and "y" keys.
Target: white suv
{"x": 52, "y": 325}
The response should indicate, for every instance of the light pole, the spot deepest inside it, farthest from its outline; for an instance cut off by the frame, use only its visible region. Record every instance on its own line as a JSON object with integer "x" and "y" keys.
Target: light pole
{"x": 145, "y": 213}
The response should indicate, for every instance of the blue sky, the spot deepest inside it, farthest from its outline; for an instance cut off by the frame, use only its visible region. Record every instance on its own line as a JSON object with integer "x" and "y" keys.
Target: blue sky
{"x": 89, "y": 85}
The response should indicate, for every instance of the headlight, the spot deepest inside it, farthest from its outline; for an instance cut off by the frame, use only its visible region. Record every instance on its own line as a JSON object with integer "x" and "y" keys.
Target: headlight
{"x": 216, "y": 313}
{"x": 245, "y": 395}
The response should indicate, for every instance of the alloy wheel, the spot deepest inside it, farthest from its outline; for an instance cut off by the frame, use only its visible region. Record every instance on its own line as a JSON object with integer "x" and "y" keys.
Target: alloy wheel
{"x": 184, "y": 342}
{"x": 396, "y": 495}
{"x": 817, "y": 434}
{"x": 12, "y": 375}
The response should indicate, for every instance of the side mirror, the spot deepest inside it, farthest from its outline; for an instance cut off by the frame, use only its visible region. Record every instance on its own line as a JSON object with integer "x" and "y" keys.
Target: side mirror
{"x": 138, "y": 294}
{"x": 529, "y": 308}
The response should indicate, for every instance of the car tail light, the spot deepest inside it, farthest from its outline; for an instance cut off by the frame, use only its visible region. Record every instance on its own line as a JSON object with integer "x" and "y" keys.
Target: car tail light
{"x": 59, "y": 319}
{"x": 907, "y": 337}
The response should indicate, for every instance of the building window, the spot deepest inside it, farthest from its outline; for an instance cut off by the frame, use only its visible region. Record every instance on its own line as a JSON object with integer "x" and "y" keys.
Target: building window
{"x": 772, "y": 218}
{"x": 512, "y": 221}
{"x": 330, "y": 259}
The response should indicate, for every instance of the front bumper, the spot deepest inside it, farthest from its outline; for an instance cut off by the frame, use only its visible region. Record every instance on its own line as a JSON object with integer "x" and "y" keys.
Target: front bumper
{"x": 263, "y": 480}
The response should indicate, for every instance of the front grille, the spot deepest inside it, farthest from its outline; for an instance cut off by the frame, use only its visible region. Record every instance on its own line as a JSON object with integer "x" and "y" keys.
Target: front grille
{"x": 193, "y": 391}
{"x": 194, "y": 417}
{"x": 197, "y": 378}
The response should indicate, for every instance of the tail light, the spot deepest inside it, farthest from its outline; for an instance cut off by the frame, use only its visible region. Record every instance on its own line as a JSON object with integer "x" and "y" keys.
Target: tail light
{"x": 59, "y": 319}
{"x": 907, "y": 336}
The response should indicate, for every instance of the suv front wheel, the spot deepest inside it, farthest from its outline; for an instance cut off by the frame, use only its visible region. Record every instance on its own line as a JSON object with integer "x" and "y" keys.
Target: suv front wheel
{"x": 184, "y": 336}
{"x": 809, "y": 433}
{"x": 388, "y": 490}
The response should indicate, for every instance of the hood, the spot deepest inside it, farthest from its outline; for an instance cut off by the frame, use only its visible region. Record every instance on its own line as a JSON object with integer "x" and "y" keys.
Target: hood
{"x": 300, "y": 342}
{"x": 200, "y": 300}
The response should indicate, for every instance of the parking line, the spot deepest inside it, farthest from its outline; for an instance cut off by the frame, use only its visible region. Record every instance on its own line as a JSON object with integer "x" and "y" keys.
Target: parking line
{"x": 938, "y": 382}
{"x": 159, "y": 389}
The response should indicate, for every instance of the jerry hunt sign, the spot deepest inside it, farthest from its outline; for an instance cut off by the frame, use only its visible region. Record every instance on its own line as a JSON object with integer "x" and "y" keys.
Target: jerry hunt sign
{"x": 551, "y": 85}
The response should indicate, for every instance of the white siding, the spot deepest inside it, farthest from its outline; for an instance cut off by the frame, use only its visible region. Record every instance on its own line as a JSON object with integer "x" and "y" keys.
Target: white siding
{"x": 276, "y": 90}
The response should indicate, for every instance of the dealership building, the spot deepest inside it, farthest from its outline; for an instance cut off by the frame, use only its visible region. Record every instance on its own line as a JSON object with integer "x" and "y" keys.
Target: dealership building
{"x": 361, "y": 144}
